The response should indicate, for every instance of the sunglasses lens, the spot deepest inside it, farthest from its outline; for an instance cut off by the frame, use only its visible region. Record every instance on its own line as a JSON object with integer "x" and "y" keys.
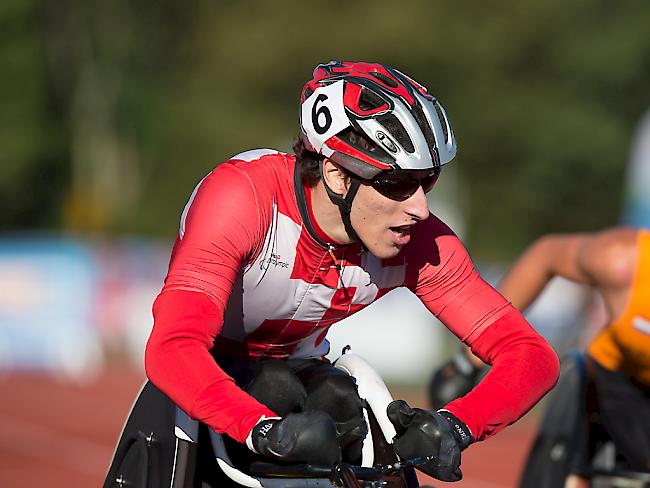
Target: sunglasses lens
{"x": 396, "y": 189}
{"x": 428, "y": 182}
{"x": 402, "y": 188}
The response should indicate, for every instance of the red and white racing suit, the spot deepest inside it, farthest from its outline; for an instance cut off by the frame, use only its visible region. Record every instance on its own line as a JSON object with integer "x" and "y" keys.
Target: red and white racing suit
{"x": 252, "y": 276}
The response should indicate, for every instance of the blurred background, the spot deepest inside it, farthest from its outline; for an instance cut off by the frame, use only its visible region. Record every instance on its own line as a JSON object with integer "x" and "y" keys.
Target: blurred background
{"x": 112, "y": 111}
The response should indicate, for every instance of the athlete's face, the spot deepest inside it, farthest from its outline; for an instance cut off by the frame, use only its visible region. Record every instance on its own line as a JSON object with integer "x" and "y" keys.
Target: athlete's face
{"x": 383, "y": 224}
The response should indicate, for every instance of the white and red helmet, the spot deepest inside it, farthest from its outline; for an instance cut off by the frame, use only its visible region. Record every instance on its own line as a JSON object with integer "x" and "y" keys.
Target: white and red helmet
{"x": 406, "y": 127}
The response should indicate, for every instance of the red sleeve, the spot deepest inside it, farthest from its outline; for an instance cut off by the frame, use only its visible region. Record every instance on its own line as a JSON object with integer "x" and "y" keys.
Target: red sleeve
{"x": 449, "y": 286}
{"x": 221, "y": 229}
{"x": 177, "y": 361}
{"x": 524, "y": 369}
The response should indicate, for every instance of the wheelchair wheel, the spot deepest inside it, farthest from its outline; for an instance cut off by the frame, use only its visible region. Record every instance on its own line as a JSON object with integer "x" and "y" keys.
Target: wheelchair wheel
{"x": 549, "y": 460}
{"x": 146, "y": 452}
{"x": 620, "y": 479}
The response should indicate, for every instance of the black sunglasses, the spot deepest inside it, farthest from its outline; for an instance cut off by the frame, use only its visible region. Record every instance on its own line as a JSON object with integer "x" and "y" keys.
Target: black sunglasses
{"x": 400, "y": 186}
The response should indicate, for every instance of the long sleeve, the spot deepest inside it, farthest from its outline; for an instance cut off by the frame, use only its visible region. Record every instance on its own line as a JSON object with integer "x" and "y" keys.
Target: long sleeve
{"x": 220, "y": 229}
{"x": 524, "y": 367}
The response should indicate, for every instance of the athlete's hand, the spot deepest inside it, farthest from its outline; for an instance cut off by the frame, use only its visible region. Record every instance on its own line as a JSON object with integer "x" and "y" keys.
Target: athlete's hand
{"x": 422, "y": 433}
{"x": 308, "y": 437}
{"x": 453, "y": 379}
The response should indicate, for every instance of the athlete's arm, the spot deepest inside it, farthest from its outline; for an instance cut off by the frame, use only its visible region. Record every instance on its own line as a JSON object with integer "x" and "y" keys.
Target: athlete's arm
{"x": 219, "y": 231}
{"x": 524, "y": 367}
{"x": 600, "y": 259}
{"x": 552, "y": 255}
{"x": 570, "y": 256}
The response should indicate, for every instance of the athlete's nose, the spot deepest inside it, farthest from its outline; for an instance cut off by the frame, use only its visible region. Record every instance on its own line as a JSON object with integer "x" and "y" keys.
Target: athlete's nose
{"x": 416, "y": 205}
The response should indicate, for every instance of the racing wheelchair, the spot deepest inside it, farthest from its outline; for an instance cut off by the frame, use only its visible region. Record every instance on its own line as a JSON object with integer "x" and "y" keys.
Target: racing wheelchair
{"x": 192, "y": 455}
{"x": 572, "y": 424}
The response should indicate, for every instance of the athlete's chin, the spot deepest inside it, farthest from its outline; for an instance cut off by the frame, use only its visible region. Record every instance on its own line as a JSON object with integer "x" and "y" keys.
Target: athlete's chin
{"x": 386, "y": 251}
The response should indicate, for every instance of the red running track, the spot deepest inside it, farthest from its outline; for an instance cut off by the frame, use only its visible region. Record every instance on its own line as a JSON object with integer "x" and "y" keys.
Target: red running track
{"x": 61, "y": 434}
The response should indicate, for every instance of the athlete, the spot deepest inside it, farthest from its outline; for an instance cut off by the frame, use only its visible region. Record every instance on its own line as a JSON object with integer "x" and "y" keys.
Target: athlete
{"x": 616, "y": 262}
{"x": 275, "y": 248}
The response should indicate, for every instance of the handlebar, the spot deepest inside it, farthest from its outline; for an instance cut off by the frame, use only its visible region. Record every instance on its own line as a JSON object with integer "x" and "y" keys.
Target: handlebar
{"x": 343, "y": 474}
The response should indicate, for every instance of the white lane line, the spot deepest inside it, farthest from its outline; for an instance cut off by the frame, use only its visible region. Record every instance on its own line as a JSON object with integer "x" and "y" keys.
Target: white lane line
{"x": 25, "y": 437}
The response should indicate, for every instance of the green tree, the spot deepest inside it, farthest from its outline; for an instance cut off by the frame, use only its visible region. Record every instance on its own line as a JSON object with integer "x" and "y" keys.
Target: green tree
{"x": 113, "y": 110}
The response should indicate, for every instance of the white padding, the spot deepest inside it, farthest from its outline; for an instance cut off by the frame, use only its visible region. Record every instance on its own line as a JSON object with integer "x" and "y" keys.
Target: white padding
{"x": 368, "y": 446}
{"x": 371, "y": 388}
{"x": 238, "y": 476}
{"x": 181, "y": 434}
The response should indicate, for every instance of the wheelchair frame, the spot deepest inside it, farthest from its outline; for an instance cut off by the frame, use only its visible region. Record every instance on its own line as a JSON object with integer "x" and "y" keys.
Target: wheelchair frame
{"x": 376, "y": 397}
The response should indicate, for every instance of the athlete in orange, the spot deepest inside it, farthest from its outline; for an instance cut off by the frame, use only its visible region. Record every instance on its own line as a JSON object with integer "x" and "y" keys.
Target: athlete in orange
{"x": 616, "y": 262}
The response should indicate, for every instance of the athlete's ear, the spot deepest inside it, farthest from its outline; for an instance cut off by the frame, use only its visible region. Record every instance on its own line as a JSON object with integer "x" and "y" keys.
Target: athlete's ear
{"x": 335, "y": 177}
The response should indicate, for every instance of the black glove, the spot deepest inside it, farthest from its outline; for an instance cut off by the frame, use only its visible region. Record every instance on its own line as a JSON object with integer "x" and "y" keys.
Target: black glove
{"x": 308, "y": 437}
{"x": 421, "y": 433}
{"x": 453, "y": 380}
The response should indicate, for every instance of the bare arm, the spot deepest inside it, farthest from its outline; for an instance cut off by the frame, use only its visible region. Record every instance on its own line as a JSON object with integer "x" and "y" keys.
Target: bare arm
{"x": 604, "y": 260}
{"x": 552, "y": 255}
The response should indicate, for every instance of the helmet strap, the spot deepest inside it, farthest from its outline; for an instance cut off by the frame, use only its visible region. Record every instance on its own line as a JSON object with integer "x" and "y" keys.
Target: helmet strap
{"x": 345, "y": 204}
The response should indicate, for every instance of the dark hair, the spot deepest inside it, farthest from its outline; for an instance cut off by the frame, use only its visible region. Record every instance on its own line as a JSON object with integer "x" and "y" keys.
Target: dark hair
{"x": 308, "y": 161}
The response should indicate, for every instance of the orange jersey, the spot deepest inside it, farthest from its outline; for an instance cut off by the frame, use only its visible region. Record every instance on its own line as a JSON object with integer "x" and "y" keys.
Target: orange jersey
{"x": 624, "y": 345}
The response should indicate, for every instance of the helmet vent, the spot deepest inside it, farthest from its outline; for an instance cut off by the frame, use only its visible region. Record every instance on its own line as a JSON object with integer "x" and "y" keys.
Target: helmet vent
{"x": 386, "y": 80}
{"x": 442, "y": 119}
{"x": 422, "y": 121}
{"x": 368, "y": 100}
{"x": 396, "y": 129}
{"x": 363, "y": 143}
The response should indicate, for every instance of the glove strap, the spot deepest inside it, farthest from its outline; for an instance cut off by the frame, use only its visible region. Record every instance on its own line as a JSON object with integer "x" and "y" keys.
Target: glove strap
{"x": 461, "y": 431}
{"x": 249, "y": 438}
